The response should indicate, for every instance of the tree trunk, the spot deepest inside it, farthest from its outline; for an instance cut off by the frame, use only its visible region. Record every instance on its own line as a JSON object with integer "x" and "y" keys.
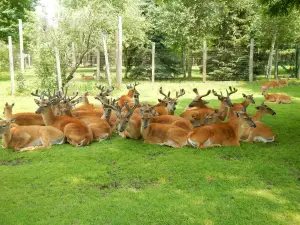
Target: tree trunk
{"x": 189, "y": 63}
{"x": 184, "y": 61}
{"x": 269, "y": 67}
{"x": 276, "y": 63}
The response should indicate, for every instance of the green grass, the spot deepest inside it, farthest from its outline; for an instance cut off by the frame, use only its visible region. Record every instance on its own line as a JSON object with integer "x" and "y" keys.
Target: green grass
{"x": 128, "y": 182}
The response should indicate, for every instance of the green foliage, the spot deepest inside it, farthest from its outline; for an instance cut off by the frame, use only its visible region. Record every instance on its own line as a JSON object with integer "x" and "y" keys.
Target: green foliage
{"x": 280, "y": 7}
{"x": 4, "y": 60}
{"x": 10, "y": 12}
{"x": 21, "y": 87}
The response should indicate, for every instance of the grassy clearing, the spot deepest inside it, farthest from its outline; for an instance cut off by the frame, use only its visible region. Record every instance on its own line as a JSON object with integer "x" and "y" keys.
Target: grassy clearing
{"x": 128, "y": 182}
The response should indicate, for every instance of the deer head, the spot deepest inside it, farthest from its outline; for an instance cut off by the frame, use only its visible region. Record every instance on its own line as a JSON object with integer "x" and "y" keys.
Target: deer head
{"x": 5, "y": 126}
{"x": 171, "y": 102}
{"x": 245, "y": 119}
{"x": 249, "y": 98}
{"x": 265, "y": 109}
{"x": 226, "y": 100}
{"x": 146, "y": 113}
{"x": 198, "y": 101}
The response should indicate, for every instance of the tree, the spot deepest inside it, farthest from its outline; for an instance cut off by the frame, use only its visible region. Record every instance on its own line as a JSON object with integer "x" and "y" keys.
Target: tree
{"x": 280, "y": 7}
{"x": 10, "y": 12}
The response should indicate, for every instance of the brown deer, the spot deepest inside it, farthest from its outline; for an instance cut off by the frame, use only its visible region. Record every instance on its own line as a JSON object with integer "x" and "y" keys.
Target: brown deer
{"x": 198, "y": 102}
{"x": 224, "y": 134}
{"x": 167, "y": 106}
{"x": 84, "y": 77}
{"x": 129, "y": 97}
{"x": 162, "y": 134}
{"x": 76, "y": 132}
{"x": 197, "y": 116}
{"x": 129, "y": 122}
{"x": 22, "y": 138}
{"x": 22, "y": 119}
{"x": 276, "y": 98}
{"x": 261, "y": 133}
{"x": 238, "y": 107}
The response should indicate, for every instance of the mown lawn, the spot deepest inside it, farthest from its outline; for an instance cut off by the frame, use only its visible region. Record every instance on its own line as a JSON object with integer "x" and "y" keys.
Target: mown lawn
{"x": 128, "y": 182}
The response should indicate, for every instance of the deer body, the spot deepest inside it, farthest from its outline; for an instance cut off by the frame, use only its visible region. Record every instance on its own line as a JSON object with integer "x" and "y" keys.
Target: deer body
{"x": 21, "y": 138}
{"x": 276, "y": 98}
{"x": 173, "y": 120}
{"x": 132, "y": 129}
{"x": 23, "y": 119}
{"x": 224, "y": 134}
{"x": 261, "y": 133}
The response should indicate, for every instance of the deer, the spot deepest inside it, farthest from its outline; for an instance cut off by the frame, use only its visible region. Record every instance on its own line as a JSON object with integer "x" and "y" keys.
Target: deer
{"x": 167, "y": 106}
{"x": 162, "y": 134}
{"x": 129, "y": 122}
{"x": 261, "y": 133}
{"x": 276, "y": 98}
{"x": 197, "y": 116}
{"x": 22, "y": 119}
{"x": 26, "y": 138}
{"x": 84, "y": 77}
{"x": 243, "y": 105}
{"x": 76, "y": 131}
{"x": 224, "y": 134}
{"x": 129, "y": 97}
{"x": 198, "y": 102}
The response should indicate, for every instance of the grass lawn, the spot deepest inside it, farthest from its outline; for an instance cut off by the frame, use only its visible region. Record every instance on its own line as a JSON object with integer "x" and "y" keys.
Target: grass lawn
{"x": 128, "y": 182}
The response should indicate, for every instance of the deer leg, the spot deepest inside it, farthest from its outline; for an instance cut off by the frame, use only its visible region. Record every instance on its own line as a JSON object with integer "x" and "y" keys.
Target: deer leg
{"x": 46, "y": 142}
{"x": 22, "y": 142}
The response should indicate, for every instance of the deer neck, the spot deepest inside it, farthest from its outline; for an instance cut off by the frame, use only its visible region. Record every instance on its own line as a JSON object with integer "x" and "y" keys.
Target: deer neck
{"x": 266, "y": 95}
{"x": 6, "y": 137}
{"x": 8, "y": 113}
{"x": 145, "y": 130}
{"x": 223, "y": 109}
{"x": 258, "y": 115}
{"x": 237, "y": 126}
{"x": 86, "y": 101}
{"x": 48, "y": 116}
{"x": 130, "y": 93}
{"x": 245, "y": 103}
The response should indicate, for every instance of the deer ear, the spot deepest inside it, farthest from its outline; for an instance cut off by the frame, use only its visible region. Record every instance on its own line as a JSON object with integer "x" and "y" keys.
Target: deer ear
{"x": 6, "y": 104}
{"x": 245, "y": 96}
{"x": 13, "y": 105}
{"x": 159, "y": 100}
{"x": 37, "y": 101}
{"x": 216, "y": 110}
{"x": 11, "y": 121}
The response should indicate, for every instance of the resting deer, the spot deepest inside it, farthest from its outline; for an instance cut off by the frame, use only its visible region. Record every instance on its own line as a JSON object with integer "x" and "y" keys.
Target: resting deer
{"x": 22, "y": 119}
{"x": 238, "y": 107}
{"x": 162, "y": 134}
{"x": 198, "y": 102}
{"x": 76, "y": 132}
{"x": 84, "y": 77}
{"x": 129, "y": 97}
{"x": 167, "y": 106}
{"x": 276, "y": 98}
{"x": 22, "y": 138}
{"x": 197, "y": 116}
{"x": 261, "y": 133}
{"x": 224, "y": 134}
{"x": 129, "y": 122}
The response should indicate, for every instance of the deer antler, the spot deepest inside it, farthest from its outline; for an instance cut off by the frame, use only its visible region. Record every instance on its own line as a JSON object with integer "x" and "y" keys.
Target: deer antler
{"x": 181, "y": 93}
{"x": 73, "y": 97}
{"x": 208, "y": 92}
{"x": 136, "y": 84}
{"x": 36, "y": 93}
{"x": 129, "y": 86}
{"x": 220, "y": 96}
{"x": 231, "y": 91}
{"x": 161, "y": 92}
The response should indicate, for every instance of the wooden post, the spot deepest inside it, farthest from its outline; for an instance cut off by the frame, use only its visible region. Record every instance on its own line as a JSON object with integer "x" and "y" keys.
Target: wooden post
{"x": 153, "y": 62}
{"x": 119, "y": 72}
{"x": 73, "y": 55}
{"x": 276, "y": 63}
{"x": 298, "y": 62}
{"x": 11, "y": 66}
{"x": 98, "y": 65}
{"x": 29, "y": 60}
{"x": 21, "y": 46}
{"x": 106, "y": 59}
{"x": 58, "y": 69}
{"x": 251, "y": 60}
{"x": 117, "y": 56}
{"x": 204, "y": 61}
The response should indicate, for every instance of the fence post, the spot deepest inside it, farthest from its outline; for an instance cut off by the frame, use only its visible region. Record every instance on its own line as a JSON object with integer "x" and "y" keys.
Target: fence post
{"x": 73, "y": 55}
{"x": 204, "y": 61}
{"x": 58, "y": 69}
{"x": 98, "y": 65}
{"x": 276, "y": 63}
{"x": 153, "y": 62}
{"x": 119, "y": 59}
{"x": 251, "y": 60}
{"x": 29, "y": 60}
{"x": 21, "y": 46}
{"x": 298, "y": 62}
{"x": 11, "y": 66}
{"x": 106, "y": 59}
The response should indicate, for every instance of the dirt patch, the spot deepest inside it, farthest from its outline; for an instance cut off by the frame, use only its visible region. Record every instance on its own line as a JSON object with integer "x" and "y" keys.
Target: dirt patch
{"x": 14, "y": 162}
